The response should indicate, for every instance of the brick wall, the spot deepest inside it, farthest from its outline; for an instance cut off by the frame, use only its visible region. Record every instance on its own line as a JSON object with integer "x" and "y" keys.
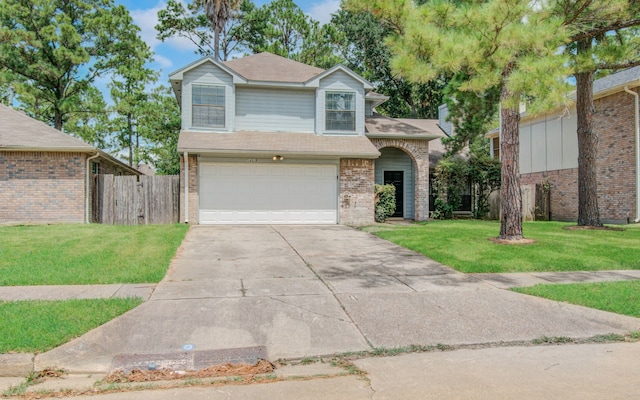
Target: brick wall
{"x": 42, "y": 187}
{"x": 616, "y": 166}
{"x": 418, "y": 150}
{"x": 110, "y": 168}
{"x": 193, "y": 189}
{"x": 564, "y": 191}
{"x": 356, "y": 192}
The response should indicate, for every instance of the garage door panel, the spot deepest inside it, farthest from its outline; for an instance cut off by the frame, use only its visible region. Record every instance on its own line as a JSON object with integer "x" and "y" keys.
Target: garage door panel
{"x": 253, "y": 194}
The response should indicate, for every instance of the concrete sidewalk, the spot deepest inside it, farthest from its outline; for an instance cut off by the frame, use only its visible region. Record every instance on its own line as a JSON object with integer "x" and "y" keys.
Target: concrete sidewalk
{"x": 303, "y": 291}
{"x": 69, "y": 292}
{"x": 144, "y": 291}
{"x": 580, "y": 372}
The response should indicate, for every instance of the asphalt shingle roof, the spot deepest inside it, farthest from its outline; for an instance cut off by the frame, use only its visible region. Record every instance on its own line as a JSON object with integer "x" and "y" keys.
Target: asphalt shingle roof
{"x": 19, "y": 131}
{"x": 277, "y": 143}
{"x": 272, "y": 68}
{"x": 616, "y": 80}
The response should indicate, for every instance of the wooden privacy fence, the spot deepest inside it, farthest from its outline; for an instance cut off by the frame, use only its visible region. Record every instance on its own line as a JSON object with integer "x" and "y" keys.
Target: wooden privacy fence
{"x": 136, "y": 200}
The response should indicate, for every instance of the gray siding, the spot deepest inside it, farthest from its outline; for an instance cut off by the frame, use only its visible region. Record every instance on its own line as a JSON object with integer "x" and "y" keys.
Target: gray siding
{"x": 549, "y": 143}
{"x": 393, "y": 159}
{"x": 275, "y": 110}
{"x": 340, "y": 81}
{"x": 207, "y": 74}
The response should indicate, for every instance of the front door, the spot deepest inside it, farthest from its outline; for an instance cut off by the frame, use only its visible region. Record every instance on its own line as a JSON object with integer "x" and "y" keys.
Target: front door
{"x": 396, "y": 178}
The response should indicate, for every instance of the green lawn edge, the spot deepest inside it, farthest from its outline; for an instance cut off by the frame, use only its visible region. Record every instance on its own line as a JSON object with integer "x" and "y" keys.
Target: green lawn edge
{"x": 465, "y": 245}
{"x": 38, "y": 326}
{"x": 75, "y": 254}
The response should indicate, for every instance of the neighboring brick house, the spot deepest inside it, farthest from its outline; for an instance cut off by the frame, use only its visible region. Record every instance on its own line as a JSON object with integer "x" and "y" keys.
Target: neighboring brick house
{"x": 266, "y": 139}
{"x": 44, "y": 172}
{"x": 549, "y": 151}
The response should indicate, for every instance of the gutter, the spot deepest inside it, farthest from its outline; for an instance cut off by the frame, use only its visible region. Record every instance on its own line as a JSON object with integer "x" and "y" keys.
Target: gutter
{"x": 186, "y": 187}
{"x": 87, "y": 188}
{"x": 637, "y": 124}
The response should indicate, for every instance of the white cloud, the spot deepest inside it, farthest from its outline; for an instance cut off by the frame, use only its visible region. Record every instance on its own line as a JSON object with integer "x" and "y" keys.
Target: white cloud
{"x": 322, "y": 11}
{"x": 163, "y": 61}
{"x": 147, "y": 19}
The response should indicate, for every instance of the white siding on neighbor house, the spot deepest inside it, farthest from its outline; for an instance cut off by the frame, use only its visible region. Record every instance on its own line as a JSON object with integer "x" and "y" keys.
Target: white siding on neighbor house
{"x": 275, "y": 110}
{"x": 207, "y": 74}
{"x": 339, "y": 81}
{"x": 393, "y": 159}
{"x": 539, "y": 146}
{"x": 525, "y": 148}
{"x": 549, "y": 143}
{"x": 368, "y": 108}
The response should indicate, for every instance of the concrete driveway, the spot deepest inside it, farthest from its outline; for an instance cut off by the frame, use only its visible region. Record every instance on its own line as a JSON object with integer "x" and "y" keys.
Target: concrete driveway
{"x": 317, "y": 290}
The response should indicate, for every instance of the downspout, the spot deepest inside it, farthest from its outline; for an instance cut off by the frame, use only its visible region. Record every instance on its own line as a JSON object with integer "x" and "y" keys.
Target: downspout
{"x": 637, "y": 123}
{"x": 87, "y": 187}
{"x": 186, "y": 187}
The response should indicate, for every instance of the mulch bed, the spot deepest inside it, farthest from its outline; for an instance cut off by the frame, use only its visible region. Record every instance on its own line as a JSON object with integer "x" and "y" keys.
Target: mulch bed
{"x": 261, "y": 367}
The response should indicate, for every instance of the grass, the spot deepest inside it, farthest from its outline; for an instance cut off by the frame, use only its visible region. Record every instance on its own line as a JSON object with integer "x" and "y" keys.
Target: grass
{"x": 86, "y": 254}
{"x": 618, "y": 297}
{"x": 37, "y": 326}
{"x": 465, "y": 246}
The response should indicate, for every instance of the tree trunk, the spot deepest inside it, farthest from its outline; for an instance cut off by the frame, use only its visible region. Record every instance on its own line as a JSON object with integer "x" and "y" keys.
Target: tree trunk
{"x": 129, "y": 128}
{"x": 216, "y": 44}
{"x": 588, "y": 213}
{"x": 511, "y": 198}
{"x": 57, "y": 119}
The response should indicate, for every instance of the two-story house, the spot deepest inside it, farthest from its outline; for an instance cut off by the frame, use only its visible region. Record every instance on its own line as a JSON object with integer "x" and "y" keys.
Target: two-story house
{"x": 266, "y": 139}
{"x": 549, "y": 151}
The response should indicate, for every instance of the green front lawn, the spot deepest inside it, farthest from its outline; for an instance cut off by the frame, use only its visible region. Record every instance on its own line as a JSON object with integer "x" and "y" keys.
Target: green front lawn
{"x": 86, "y": 254}
{"x": 618, "y": 297}
{"x": 37, "y": 326}
{"x": 465, "y": 246}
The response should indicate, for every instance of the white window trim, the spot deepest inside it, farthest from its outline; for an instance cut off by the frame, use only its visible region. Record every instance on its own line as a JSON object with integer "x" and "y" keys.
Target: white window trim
{"x": 224, "y": 107}
{"x": 355, "y": 113}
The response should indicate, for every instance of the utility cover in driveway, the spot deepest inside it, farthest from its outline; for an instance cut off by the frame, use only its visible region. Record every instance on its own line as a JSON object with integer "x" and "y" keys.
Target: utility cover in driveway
{"x": 258, "y": 193}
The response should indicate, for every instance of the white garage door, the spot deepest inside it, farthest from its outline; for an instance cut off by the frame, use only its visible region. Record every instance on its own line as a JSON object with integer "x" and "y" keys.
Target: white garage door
{"x": 268, "y": 194}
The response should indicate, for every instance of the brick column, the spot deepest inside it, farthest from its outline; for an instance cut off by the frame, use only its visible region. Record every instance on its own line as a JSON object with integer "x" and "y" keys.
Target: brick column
{"x": 356, "y": 192}
{"x": 193, "y": 189}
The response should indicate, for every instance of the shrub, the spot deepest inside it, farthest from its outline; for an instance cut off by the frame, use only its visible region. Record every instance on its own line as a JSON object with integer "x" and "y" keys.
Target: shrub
{"x": 385, "y": 202}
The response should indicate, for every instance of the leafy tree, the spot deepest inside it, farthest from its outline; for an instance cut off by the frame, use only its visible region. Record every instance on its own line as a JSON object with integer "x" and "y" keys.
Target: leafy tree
{"x": 218, "y": 12}
{"x": 159, "y": 125}
{"x": 471, "y": 114}
{"x": 128, "y": 93}
{"x": 603, "y": 37}
{"x": 189, "y": 22}
{"x": 509, "y": 44}
{"x": 366, "y": 52}
{"x": 58, "y": 48}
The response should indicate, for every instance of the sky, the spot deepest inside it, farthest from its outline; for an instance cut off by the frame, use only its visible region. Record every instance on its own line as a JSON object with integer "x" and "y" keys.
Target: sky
{"x": 176, "y": 53}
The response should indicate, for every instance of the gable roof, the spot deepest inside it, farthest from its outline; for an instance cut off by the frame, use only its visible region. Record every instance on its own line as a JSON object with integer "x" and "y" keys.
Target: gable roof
{"x": 267, "y": 67}
{"x": 380, "y": 126}
{"x": 20, "y": 132}
{"x": 316, "y": 79}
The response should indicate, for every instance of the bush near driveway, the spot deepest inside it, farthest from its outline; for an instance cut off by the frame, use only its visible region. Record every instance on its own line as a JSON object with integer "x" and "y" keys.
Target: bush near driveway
{"x": 465, "y": 246}
{"x": 86, "y": 254}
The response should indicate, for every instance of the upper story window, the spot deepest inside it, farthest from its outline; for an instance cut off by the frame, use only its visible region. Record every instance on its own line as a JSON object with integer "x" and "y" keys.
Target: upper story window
{"x": 208, "y": 106}
{"x": 340, "y": 111}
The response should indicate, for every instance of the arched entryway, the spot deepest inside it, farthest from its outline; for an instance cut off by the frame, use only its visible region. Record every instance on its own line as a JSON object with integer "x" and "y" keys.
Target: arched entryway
{"x": 412, "y": 157}
{"x": 397, "y": 168}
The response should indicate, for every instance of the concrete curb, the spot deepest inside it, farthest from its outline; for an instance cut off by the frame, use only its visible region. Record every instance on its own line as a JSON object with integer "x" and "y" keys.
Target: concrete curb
{"x": 14, "y": 365}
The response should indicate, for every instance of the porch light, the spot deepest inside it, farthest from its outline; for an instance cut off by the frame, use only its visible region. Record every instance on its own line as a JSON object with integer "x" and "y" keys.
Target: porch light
{"x": 278, "y": 158}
